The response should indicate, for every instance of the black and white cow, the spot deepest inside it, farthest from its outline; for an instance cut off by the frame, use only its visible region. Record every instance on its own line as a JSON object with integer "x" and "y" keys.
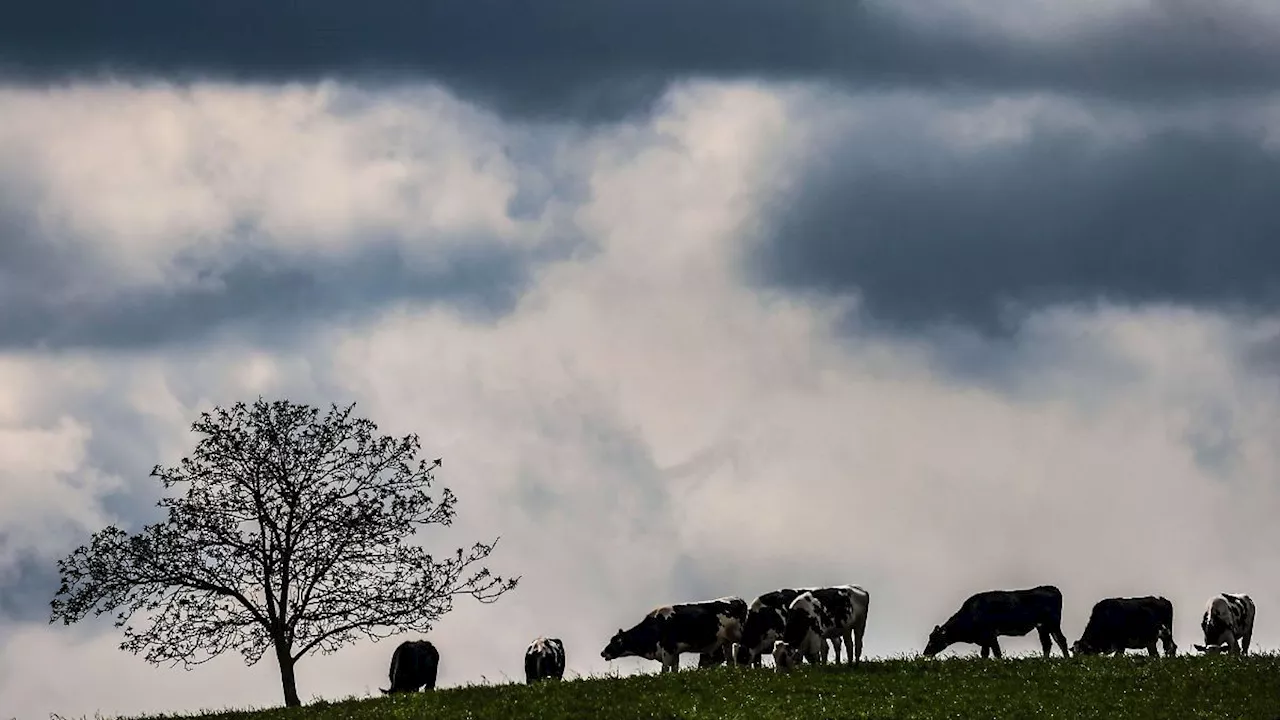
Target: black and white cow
{"x": 544, "y": 660}
{"x": 1119, "y": 624}
{"x": 766, "y": 619}
{"x": 815, "y": 616}
{"x": 413, "y": 665}
{"x": 709, "y": 628}
{"x": 986, "y": 615}
{"x": 1227, "y": 624}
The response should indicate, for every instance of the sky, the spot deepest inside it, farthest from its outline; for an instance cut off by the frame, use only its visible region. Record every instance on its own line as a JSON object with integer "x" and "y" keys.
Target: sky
{"x": 692, "y": 301}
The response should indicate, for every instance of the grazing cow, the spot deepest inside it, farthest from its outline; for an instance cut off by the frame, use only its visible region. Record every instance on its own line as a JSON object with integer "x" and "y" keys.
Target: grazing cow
{"x": 986, "y": 615}
{"x": 830, "y": 613}
{"x": 766, "y": 618}
{"x": 1227, "y": 624}
{"x": 708, "y": 628}
{"x": 413, "y": 666}
{"x": 1119, "y": 624}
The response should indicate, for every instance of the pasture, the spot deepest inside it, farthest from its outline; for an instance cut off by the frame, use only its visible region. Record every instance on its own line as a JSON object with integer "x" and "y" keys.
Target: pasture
{"x": 1186, "y": 687}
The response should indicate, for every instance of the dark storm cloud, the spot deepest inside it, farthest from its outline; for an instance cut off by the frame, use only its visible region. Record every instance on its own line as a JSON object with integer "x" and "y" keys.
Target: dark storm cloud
{"x": 271, "y": 300}
{"x": 961, "y": 238}
{"x": 26, "y": 586}
{"x": 613, "y": 56}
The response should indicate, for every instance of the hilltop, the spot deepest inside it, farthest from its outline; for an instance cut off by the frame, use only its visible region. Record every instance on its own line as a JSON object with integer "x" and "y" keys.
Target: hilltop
{"x": 1128, "y": 688}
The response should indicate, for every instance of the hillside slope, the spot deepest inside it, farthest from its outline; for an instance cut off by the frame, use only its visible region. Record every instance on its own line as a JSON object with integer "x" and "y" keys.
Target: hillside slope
{"x": 1182, "y": 688}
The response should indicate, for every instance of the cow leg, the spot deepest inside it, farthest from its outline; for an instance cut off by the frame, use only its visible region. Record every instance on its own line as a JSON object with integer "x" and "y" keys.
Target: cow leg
{"x": 1118, "y": 652}
{"x": 1166, "y": 638}
{"x": 995, "y": 648}
{"x": 670, "y": 660}
{"x": 1151, "y": 650}
{"x": 1061, "y": 639}
{"x": 858, "y": 630}
{"x": 1043, "y": 632}
{"x": 825, "y": 652}
{"x": 835, "y": 645}
{"x": 849, "y": 647}
{"x": 1244, "y": 642}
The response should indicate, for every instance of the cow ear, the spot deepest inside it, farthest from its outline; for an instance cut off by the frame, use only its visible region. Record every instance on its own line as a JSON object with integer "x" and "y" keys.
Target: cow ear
{"x": 937, "y": 628}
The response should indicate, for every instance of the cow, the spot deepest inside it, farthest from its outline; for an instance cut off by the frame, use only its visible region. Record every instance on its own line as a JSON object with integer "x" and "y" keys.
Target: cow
{"x": 709, "y": 628}
{"x": 986, "y": 615}
{"x": 829, "y": 613}
{"x": 1119, "y": 624}
{"x": 413, "y": 666}
{"x": 765, "y": 621}
{"x": 1227, "y": 624}
{"x": 544, "y": 660}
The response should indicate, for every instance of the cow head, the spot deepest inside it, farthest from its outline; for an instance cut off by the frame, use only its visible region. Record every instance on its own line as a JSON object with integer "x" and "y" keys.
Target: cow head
{"x": 720, "y": 655}
{"x": 784, "y": 658}
{"x": 938, "y": 641}
{"x": 617, "y": 646}
{"x": 1082, "y": 647}
{"x": 743, "y": 655}
{"x": 1211, "y": 649}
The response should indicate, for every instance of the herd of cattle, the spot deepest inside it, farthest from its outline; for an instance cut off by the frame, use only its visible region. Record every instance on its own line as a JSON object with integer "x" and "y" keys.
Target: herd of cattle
{"x": 795, "y": 625}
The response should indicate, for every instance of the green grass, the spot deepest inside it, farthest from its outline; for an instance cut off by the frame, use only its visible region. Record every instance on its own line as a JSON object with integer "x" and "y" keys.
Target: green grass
{"x": 1181, "y": 688}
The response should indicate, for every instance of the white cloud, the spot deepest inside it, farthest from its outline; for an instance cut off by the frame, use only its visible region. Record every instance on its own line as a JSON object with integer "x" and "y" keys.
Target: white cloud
{"x": 159, "y": 182}
{"x": 644, "y": 427}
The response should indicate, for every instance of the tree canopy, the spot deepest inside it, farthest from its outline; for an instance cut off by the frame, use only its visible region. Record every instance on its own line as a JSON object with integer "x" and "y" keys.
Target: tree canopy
{"x": 291, "y": 532}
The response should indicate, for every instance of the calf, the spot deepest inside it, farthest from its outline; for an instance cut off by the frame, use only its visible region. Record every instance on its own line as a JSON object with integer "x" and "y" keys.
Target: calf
{"x": 766, "y": 619}
{"x": 985, "y": 616}
{"x": 1119, "y": 624}
{"x": 831, "y": 613}
{"x": 1227, "y": 624}
{"x": 413, "y": 666}
{"x": 708, "y": 628}
{"x": 544, "y": 660}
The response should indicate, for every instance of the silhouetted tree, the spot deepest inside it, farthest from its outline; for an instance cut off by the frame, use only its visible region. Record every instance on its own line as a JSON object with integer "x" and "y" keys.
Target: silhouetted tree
{"x": 294, "y": 532}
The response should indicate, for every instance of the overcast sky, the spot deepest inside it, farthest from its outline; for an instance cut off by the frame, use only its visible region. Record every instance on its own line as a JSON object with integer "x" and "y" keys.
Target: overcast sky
{"x": 693, "y": 301}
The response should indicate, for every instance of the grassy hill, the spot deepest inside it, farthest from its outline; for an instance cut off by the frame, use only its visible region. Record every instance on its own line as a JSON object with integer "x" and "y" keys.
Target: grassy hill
{"x": 1181, "y": 688}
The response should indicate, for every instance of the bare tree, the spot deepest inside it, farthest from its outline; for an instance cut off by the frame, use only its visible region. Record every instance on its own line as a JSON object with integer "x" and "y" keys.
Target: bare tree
{"x": 294, "y": 533}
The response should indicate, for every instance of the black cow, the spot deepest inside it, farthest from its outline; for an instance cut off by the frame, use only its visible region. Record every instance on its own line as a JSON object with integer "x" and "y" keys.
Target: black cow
{"x": 1119, "y": 624}
{"x": 985, "y": 616}
{"x": 413, "y": 666}
{"x": 766, "y": 619}
{"x": 708, "y": 628}
{"x": 544, "y": 660}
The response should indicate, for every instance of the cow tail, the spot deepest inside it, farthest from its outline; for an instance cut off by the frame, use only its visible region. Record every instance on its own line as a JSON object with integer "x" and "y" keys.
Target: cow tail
{"x": 391, "y": 674}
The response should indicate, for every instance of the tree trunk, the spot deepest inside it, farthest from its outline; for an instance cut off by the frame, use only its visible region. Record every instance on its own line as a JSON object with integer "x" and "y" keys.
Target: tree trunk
{"x": 287, "y": 680}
